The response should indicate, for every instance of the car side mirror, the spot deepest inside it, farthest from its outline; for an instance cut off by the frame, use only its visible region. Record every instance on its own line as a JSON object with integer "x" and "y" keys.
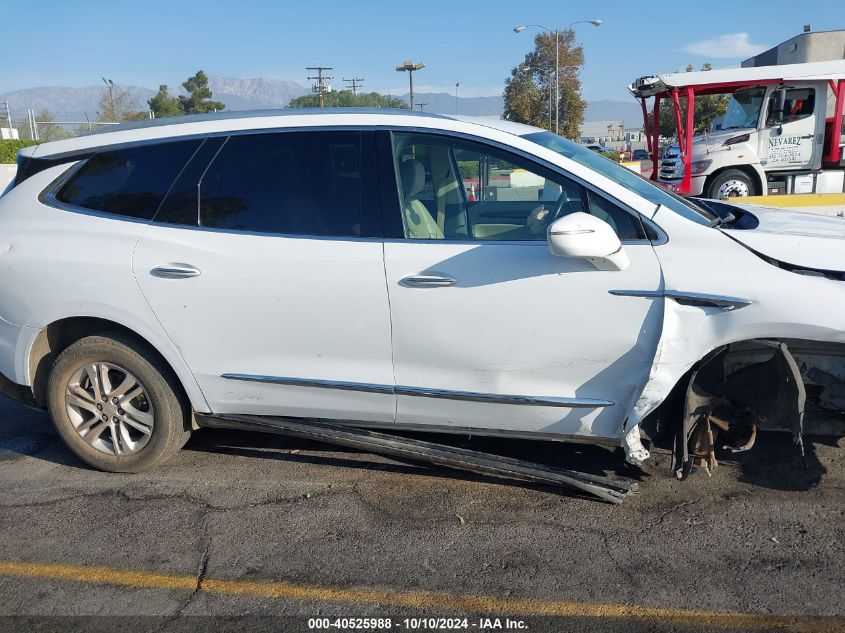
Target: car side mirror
{"x": 585, "y": 236}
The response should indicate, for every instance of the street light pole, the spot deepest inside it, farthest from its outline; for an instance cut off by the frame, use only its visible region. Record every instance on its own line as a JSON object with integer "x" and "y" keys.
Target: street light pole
{"x": 557, "y": 81}
{"x": 522, "y": 27}
{"x": 457, "y": 85}
{"x": 110, "y": 85}
{"x": 410, "y": 67}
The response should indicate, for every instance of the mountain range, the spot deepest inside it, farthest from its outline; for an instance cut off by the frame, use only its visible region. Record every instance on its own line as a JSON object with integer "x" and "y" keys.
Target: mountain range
{"x": 77, "y": 104}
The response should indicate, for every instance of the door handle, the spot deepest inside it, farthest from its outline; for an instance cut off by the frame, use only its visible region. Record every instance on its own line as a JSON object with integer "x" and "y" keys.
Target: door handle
{"x": 809, "y": 136}
{"x": 175, "y": 271}
{"x": 427, "y": 281}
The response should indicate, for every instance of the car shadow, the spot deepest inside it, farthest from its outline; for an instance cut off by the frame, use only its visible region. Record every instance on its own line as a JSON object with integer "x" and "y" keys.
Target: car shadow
{"x": 777, "y": 463}
{"x": 774, "y": 462}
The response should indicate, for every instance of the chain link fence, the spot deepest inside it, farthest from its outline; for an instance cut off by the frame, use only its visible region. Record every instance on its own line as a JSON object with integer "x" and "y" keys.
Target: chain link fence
{"x": 27, "y": 124}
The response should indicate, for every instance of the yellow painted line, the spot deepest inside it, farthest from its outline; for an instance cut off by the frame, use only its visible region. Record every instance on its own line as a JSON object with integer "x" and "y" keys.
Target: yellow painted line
{"x": 424, "y": 600}
{"x": 797, "y": 200}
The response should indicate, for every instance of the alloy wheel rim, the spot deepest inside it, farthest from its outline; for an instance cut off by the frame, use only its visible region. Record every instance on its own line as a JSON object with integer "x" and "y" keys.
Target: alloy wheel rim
{"x": 109, "y": 408}
{"x": 733, "y": 189}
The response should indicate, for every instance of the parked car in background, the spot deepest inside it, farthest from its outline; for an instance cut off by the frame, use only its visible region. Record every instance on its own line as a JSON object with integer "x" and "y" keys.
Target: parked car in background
{"x": 396, "y": 270}
{"x": 640, "y": 154}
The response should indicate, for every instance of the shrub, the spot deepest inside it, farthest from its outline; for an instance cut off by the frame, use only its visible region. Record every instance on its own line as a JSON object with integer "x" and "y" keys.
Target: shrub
{"x": 468, "y": 169}
{"x": 9, "y": 150}
{"x": 614, "y": 156}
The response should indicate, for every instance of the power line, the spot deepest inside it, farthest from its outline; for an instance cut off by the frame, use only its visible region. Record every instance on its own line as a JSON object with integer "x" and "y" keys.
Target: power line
{"x": 320, "y": 88}
{"x": 356, "y": 83}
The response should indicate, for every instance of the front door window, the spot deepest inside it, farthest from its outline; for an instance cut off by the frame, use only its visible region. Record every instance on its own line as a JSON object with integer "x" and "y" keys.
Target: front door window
{"x": 452, "y": 189}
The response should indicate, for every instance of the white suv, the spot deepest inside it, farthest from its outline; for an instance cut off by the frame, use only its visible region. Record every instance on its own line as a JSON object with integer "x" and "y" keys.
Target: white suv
{"x": 403, "y": 271}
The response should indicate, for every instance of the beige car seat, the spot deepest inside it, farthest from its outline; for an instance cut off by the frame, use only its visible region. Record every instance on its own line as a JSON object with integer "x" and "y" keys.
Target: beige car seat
{"x": 419, "y": 224}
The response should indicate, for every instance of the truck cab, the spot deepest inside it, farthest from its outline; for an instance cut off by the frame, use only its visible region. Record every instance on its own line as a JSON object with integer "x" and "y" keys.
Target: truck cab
{"x": 778, "y": 134}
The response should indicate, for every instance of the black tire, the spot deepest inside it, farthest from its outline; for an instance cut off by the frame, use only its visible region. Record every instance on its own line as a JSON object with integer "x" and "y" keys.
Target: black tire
{"x": 731, "y": 176}
{"x": 171, "y": 427}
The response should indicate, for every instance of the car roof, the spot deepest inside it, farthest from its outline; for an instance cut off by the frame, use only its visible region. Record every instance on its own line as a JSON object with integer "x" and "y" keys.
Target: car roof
{"x": 229, "y": 115}
{"x": 238, "y": 121}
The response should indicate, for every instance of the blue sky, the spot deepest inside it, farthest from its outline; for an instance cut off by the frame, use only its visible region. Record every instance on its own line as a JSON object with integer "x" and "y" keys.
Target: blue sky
{"x": 153, "y": 41}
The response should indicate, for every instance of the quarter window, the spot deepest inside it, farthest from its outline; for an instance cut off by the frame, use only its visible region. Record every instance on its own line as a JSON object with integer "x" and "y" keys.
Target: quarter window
{"x": 129, "y": 182}
{"x": 300, "y": 183}
{"x": 181, "y": 205}
{"x": 461, "y": 190}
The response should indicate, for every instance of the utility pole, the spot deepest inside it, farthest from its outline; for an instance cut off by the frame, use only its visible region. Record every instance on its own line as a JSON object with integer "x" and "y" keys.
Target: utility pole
{"x": 35, "y": 135}
{"x": 110, "y": 85}
{"x": 421, "y": 106}
{"x": 457, "y": 85}
{"x": 9, "y": 116}
{"x": 356, "y": 83}
{"x": 321, "y": 79}
{"x": 410, "y": 68}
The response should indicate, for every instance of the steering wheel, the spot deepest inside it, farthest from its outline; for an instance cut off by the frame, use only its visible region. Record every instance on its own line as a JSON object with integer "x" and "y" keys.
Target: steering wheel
{"x": 561, "y": 204}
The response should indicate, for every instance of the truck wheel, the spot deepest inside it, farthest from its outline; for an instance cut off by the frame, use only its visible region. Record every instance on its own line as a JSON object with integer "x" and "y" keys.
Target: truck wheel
{"x": 116, "y": 405}
{"x": 731, "y": 183}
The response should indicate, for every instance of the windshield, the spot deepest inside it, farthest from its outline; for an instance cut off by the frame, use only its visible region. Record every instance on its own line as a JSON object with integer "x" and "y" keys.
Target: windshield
{"x": 623, "y": 176}
{"x": 744, "y": 109}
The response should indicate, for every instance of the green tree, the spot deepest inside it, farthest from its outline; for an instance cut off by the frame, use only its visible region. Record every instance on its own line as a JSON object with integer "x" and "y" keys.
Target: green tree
{"x": 199, "y": 95}
{"x": 346, "y": 99}
{"x": 707, "y": 108}
{"x": 118, "y": 105}
{"x": 527, "y": 89}
{"x": 162, "y": 104}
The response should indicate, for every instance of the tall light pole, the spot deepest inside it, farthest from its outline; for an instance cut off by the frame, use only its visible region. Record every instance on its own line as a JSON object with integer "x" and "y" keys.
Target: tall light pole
{"x": 110, "y": 85}
{"x": 457, "y": 85}
{"x": 410, "y": 67}
{"x": 522, "y": 27}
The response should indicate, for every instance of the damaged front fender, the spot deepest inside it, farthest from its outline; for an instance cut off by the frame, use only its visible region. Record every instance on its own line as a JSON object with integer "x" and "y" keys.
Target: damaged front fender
{"x": 775, "y": 360}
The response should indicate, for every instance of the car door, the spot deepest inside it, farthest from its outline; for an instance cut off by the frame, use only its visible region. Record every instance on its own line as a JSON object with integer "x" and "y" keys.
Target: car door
{"x": 791, "y": 143}
{"x": 265, "y": 267}
{"x": 490, "y": 330}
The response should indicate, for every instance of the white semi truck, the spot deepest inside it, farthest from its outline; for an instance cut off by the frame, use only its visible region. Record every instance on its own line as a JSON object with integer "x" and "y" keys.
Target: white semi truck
{"x": 782, "y": 132}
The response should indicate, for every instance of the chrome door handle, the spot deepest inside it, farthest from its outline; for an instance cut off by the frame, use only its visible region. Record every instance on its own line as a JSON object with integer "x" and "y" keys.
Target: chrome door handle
{"x": 427, "y": 281}
{"x": 175, "y": 271}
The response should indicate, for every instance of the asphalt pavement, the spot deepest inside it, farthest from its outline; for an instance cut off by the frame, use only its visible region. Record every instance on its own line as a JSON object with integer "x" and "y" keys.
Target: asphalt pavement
{"x": 272, "y": 533}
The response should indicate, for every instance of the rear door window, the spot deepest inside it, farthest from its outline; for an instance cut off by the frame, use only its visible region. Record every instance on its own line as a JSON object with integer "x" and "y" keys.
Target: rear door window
{"x": 298, "y": 183}
{"x": 128, "y": 182}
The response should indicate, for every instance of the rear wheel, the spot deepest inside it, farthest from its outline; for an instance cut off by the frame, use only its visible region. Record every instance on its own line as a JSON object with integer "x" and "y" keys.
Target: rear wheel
{"x": 731, "y": 183}
{"x": 116, "y": 405}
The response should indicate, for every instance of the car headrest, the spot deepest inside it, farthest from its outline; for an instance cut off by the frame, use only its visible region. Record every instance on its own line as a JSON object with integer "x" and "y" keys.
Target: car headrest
{"x": 412, "y": 174}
